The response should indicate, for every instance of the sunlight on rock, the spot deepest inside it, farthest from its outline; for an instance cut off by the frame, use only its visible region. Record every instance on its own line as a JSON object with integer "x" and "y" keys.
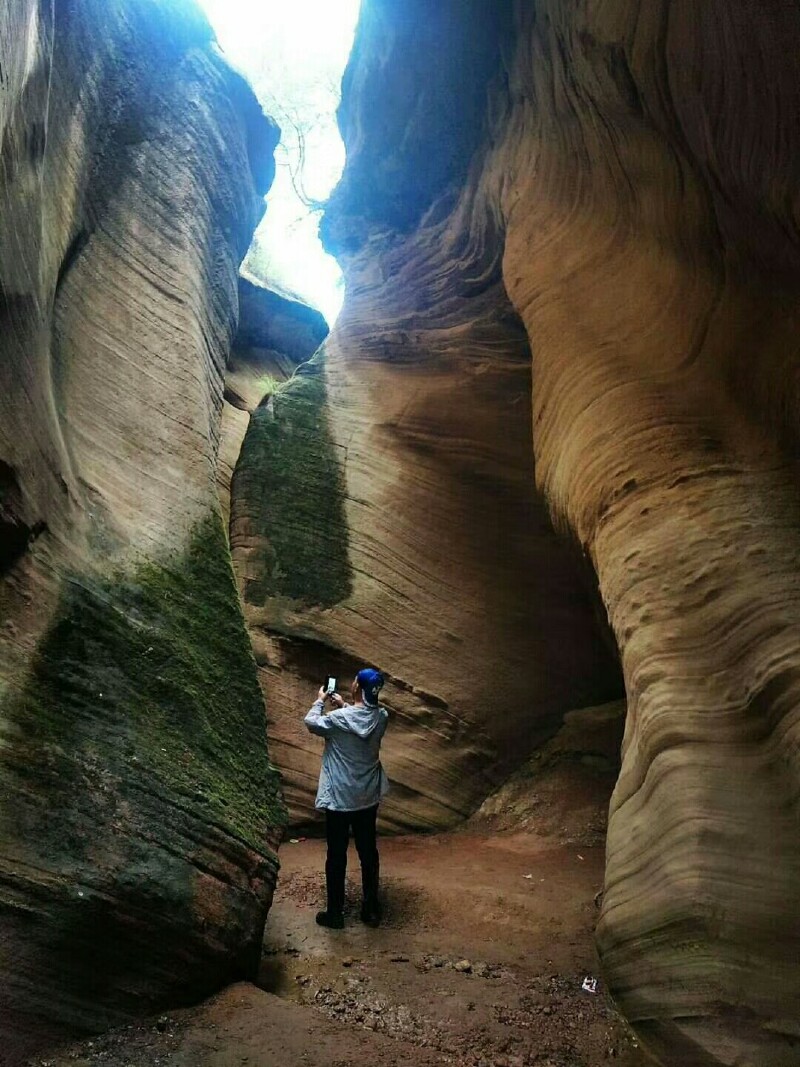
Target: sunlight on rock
{"x": 542, "y": 472}
{"x": 294, "y": 55}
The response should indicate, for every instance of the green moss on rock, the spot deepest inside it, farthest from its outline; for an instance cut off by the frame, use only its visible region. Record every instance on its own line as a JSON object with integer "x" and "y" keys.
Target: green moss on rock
{"x": 290, "y": 484}
{"x": 148, "y": 683}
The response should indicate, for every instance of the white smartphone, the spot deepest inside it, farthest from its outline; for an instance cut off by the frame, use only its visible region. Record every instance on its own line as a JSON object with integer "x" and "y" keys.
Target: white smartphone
{"x": 330, "y": 685}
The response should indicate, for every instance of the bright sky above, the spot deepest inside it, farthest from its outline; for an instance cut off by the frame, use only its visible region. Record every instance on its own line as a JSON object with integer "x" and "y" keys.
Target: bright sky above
{"x": 294, "y": 53}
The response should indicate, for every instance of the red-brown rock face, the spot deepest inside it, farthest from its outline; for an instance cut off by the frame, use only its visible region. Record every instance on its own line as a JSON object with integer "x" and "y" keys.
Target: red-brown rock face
{"x": 652, "y": 252}
{"x": 138, "y": 810}
{"x": 635, "y": 166}
{"x": 593, "y": 204}
{"x": 404, "y": 528}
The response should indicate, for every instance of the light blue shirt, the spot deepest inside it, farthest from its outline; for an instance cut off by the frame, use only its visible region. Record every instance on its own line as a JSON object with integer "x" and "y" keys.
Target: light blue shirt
{"x": 351, "y": 777}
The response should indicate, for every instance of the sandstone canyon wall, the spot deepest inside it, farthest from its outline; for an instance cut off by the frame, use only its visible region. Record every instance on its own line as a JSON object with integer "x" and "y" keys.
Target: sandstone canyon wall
{"x": 620, "y": 178}
{"x": 652, "y": 251}
{"x": 593, "y": 205}
{"x": 138, "y": 810}
{"x": 391, "y": 487}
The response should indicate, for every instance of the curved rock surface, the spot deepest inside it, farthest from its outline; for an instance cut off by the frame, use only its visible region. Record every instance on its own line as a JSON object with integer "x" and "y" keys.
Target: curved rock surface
{"x": 392, "y": 483}
{"x": 635, "y": 166}
{"x": 593, "y": 205}
{"x": 138, "y": 811}
{"x": 652, "y": 251}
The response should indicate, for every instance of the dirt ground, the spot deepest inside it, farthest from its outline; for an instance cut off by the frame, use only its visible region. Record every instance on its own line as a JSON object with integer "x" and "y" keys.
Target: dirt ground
{"x": 480, "y": 962}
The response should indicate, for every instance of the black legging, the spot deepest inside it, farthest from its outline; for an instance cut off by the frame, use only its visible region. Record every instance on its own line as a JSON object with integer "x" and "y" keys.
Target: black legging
{"x": 337, "y": 832}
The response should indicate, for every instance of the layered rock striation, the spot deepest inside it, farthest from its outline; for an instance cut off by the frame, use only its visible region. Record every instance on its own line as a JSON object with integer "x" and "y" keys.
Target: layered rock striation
{"x": 593, "y": 206}
{"x": 139, "y": 813}
{"x": 612, "y": 188}
{"x": 404, "y": 527}
{"x": 652, "y": 251}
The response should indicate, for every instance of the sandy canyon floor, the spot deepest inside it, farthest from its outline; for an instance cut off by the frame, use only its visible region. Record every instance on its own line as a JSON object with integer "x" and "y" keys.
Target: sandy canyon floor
{"x": 480, "y": 962}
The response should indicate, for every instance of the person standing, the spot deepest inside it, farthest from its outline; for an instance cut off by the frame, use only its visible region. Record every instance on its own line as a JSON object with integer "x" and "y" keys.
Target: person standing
{"x": 352, "y": 784}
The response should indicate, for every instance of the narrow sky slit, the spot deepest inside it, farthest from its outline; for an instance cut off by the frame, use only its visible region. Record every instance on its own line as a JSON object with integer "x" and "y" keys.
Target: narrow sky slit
{"x": 294, "y": 53}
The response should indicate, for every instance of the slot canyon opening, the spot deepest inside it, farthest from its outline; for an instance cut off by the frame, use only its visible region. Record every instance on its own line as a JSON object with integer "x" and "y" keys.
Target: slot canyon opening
{"x": 531, "y": 851}
{"x": 504, "y": 885}
{"x": 569, "y": 237}
{"x": 493, "y": 870}
{"x": 293, "y": 53}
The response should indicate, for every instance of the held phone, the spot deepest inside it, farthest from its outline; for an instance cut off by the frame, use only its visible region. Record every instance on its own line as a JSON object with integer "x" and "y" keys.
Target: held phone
{"x": 330, "y": 685}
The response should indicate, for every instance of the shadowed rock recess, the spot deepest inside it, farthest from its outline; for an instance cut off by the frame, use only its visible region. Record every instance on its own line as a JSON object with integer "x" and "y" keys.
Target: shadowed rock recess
{"x": 277, "y": 332}
{"x": 138, "y": 810}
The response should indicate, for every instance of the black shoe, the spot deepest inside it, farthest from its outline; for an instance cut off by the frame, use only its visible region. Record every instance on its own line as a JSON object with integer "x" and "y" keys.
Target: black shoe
{"x": 331, "y": 919}
{"x": 371, "y": 914}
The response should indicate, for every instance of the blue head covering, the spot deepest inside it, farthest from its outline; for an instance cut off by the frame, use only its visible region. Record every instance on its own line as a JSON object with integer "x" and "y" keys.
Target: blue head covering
{"x": 370, "y": 682}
